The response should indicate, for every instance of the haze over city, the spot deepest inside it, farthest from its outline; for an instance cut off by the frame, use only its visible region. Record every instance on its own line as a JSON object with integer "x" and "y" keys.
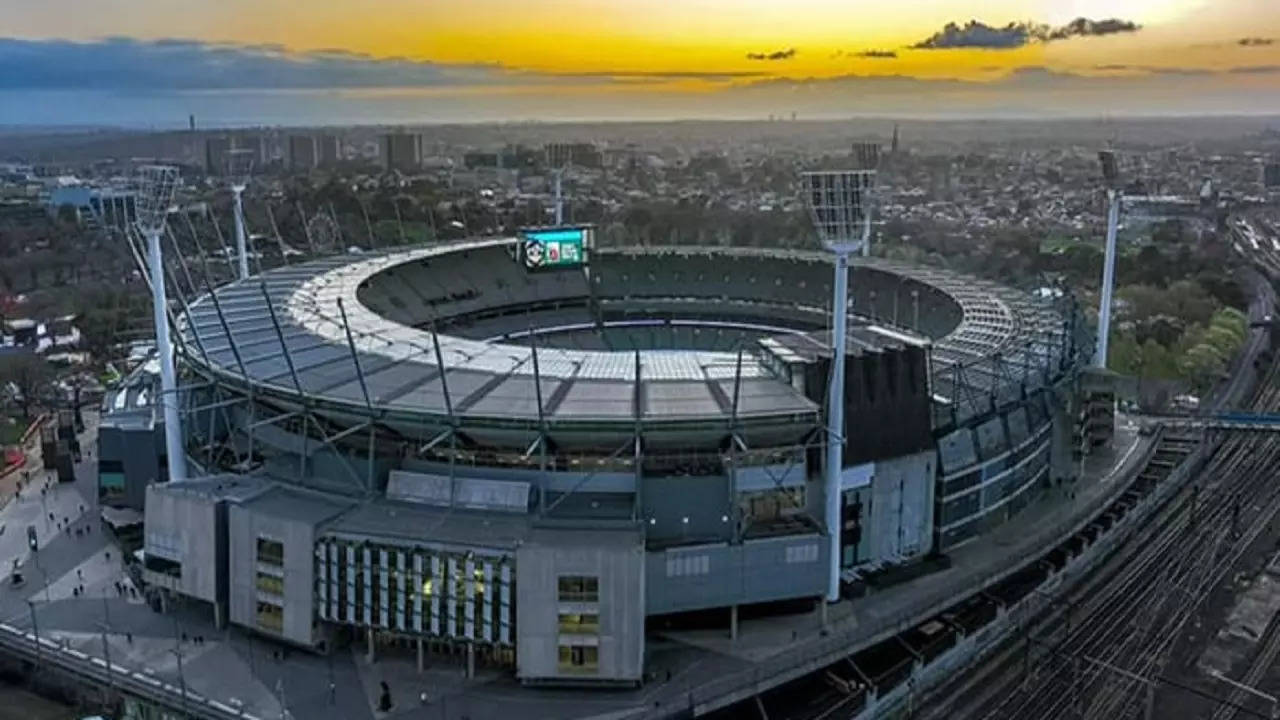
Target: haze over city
{"x": 151, "y": 63}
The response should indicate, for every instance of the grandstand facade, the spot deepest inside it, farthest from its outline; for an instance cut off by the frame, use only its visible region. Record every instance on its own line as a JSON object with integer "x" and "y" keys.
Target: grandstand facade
{"x": 445, "y": 446}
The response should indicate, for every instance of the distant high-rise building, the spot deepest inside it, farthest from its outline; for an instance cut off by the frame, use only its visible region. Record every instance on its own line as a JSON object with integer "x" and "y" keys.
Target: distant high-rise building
{"x": 1271, "y": 176}
{"x": 330, "y": 150}
{"x": 402, "y": 151}
{"x": 866, "y": 155}
{"x": 303, "y": 152}
{"x": 257, "y": 144}
{"x": 216, "y": 150}
{"x": 893, "y": 148}
{"x": 191, "y": 123}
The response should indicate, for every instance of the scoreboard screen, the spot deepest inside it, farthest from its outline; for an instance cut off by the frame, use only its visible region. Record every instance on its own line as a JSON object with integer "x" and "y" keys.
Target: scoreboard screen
{"x": 554, "y": 247}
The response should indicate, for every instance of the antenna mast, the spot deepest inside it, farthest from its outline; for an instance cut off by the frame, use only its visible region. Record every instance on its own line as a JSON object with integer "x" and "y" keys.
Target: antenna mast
{"x": 559, "y": 156}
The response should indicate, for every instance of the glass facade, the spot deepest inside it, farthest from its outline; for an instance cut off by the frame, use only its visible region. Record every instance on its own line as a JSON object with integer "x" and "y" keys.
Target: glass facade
{"x": 416, "y": 591}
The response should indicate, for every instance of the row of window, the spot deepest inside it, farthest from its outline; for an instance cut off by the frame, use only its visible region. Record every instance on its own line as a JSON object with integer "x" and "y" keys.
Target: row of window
{"x": 415, "y": 591}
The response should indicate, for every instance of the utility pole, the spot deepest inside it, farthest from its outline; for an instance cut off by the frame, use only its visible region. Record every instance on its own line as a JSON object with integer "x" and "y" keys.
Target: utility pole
{"x": 182, "y": 680}
{"x": 104, "y": 627}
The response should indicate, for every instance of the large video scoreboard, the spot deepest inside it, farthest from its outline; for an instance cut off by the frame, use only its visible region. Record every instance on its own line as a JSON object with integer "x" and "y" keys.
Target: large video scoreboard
{"x": 556, "y": 247}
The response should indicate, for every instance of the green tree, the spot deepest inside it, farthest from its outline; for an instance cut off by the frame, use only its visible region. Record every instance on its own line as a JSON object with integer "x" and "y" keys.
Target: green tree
{"x": 29, "y": 375}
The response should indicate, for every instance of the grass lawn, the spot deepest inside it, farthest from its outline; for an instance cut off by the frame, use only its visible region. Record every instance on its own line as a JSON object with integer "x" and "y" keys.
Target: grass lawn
{"x": 11, "y": 430}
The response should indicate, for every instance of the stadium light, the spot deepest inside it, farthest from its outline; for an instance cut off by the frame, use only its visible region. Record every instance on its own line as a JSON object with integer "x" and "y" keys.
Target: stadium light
{"x": 239, "y": 167}
{"x": 839, "y": 203}
{"x": 156, "y": 186}
{"x": 1111, "y": 177}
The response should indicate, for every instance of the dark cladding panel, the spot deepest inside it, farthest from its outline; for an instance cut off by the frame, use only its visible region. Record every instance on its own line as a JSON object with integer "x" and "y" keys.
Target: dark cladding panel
{"x": 886, "y": 404}
{"x": 957, "y": 451}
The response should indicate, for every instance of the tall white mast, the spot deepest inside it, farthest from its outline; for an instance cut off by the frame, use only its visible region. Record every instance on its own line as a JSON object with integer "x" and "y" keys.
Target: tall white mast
{"x": 156, "y": 186}
{"x": 239, "y": 167}
{"x": 839, "y": 202}
{"x": 1111, "y": 176}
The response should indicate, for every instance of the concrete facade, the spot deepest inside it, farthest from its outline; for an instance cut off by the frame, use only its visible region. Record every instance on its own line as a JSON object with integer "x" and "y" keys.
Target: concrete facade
{"x": 287, "y": 517}
{"x": 721, "y": 575}
{"x": 615, "y": 559}
{"x": 186, "y": 524}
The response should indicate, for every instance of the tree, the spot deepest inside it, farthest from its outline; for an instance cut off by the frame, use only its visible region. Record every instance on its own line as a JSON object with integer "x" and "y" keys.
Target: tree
{"x": 29, "y": 375}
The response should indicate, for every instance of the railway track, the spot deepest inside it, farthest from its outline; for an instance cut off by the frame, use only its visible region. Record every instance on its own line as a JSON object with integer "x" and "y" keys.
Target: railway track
{"x": 1101, "y": 653}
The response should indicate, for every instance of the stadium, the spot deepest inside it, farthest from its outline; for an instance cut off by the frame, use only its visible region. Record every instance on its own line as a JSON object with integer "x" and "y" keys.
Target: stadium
{"x": 527, "y": 450}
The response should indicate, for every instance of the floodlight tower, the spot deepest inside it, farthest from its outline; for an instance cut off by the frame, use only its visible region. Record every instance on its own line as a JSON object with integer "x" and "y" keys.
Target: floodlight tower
{"x": 866, "y": 156}
{"x": 559, "y": 156}
{"x": 1111, "y": 176}
{"x": 239, "y": 167}
{"x": 839, "y": 203}
{"x": 156, "y": 185}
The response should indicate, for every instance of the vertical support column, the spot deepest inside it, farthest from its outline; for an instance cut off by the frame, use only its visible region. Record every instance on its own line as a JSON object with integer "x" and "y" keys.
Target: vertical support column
{"x": 437, "y": 587}
{"x": 417, "y": 595}
{"x": 421, "y": 661}
{"x": 835, "y": 419}
{"x": 733, "y": 622}
{"x": 369, "y": 657}
{"x": 241, "y": 251}
{"x": 168, "y": 375}
{"x": 1108, "y": 278}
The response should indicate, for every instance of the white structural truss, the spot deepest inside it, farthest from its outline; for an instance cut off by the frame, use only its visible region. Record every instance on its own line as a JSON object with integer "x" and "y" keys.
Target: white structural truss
{"x": 239, "y": 167}
{"x": 839, "y": 202}
{"x": 156, "y": 186}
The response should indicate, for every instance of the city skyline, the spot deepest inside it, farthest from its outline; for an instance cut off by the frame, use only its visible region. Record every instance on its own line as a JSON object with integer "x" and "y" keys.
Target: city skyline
{"x": 578, "y": 59}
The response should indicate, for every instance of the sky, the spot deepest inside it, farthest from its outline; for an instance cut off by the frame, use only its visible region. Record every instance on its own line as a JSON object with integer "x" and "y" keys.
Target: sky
{"x": 551, "y": 59}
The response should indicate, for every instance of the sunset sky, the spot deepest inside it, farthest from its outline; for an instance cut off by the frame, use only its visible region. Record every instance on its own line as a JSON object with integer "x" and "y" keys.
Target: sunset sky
{"x": 579, "y": 47}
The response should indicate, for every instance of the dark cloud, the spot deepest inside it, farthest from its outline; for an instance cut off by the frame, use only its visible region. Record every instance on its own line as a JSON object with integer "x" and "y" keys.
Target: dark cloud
{"x": 877, "y": 54}
{"x": 1084, "y": 27}
{"x": 976, "y": 34}
{"x": 1256, "y": 42}
{"x": 1255, "y": 70}
{"x": 659, "y": 76}
{"x": 177, "y": 64}
{"x": 775, "y": 55}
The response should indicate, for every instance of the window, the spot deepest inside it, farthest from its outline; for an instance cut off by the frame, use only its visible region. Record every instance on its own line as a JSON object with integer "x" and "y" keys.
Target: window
{"x": 579, "y": 623}
{"x": 579, "y": 659}
{"x": 579, "y": 588}
{"x": 270, "y": 584}
{"x": 270, "y": 551}
{"x": 270, "y": 616}
{"x": 163, "y": 566}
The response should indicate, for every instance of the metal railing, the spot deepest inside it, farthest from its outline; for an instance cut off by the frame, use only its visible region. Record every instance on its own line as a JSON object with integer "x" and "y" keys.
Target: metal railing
{"x": 22, "y": 644}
